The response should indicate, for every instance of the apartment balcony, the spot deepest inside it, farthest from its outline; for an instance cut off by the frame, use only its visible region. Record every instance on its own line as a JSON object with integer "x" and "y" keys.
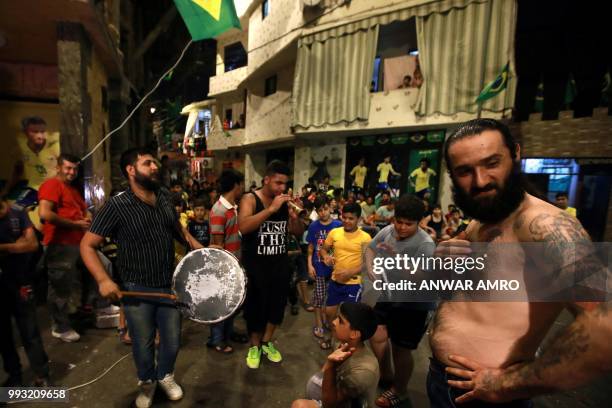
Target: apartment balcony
{"x": 227, "y": 82}
{"x": 222, "y": 139}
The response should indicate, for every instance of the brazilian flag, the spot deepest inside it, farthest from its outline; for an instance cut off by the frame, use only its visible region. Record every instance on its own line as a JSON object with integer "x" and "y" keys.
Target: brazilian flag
{"x": 207, "y": 18}
{"x": 496, "y": 86}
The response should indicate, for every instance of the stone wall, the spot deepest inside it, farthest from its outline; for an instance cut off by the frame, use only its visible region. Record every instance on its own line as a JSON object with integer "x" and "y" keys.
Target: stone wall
{"x": 566, "y": 137}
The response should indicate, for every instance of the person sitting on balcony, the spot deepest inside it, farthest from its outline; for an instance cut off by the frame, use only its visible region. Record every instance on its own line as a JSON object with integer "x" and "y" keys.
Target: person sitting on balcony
{"x": 406, "y": 82}
{"x": 417, "y": 78}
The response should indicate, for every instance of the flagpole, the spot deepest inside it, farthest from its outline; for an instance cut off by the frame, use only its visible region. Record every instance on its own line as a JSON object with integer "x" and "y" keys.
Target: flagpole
{"x": 486, "y": 43}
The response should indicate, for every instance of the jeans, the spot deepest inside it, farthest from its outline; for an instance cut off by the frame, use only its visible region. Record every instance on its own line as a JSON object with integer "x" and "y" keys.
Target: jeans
{"x": 442, "y": 395}
{"x": 65, "y": 270}
{"x": 143, "y": 317}
{"x": 18, "y": 301}
{"x": 220, "y": 333}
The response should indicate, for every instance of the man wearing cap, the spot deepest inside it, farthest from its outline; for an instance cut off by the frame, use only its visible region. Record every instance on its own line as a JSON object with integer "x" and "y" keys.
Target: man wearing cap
{"x": 350, "y": 374}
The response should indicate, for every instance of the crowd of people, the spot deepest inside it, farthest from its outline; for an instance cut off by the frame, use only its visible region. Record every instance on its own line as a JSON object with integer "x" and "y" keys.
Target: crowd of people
{"x": 322, "y": 235}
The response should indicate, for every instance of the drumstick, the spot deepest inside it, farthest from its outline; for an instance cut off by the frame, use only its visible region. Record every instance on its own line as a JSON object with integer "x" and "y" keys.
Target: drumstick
{"x": 150, "y": 294}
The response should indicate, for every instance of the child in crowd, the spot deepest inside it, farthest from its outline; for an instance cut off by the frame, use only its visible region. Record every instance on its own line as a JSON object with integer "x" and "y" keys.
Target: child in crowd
{"x": 199, "y": 227}
{"x": 225, "y": 233}
{"x": 333, "y": 209}
{"x": 350, "y": 374}
{"x": 320, "y": 272}
{"x": 453, "y": 223}
{"x": 348, "y": 244}
{"x": 401, "y": 321}
{"x": 181, "y": 209}
{"x": 434, "y": 224}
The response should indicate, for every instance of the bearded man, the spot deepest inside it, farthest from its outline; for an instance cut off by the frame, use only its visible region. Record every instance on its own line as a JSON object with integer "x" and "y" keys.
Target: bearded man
{"x": 143, "y": 222}
{"x": 483, "y": 160}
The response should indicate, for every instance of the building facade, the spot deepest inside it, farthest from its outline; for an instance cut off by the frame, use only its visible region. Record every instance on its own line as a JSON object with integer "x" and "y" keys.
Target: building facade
{"x": 322, "y": 86}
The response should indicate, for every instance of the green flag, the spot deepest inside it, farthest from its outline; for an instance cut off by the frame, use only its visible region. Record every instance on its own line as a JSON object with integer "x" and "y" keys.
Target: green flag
{"x": 207, "y": 18}
{"x": 496, "y": 86}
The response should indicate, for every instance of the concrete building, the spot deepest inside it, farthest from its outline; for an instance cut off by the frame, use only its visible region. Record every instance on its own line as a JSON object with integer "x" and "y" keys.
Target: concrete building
{"x": 356, "y": 109}
{"x": 319, "y": 82}
{"x": 57, "y": 61}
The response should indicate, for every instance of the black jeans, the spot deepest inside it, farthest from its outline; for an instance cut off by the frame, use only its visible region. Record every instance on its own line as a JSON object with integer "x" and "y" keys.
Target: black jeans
{"x": 17, "y": 300}
{"x": 442, "y": 395}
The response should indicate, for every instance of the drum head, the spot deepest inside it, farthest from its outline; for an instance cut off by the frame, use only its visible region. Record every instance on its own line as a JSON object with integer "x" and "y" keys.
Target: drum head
{"x": 210, "y": 285}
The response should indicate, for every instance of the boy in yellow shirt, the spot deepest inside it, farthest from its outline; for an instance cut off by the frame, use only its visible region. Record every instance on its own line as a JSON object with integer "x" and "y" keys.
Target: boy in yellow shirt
{"x": 348, "y": 245}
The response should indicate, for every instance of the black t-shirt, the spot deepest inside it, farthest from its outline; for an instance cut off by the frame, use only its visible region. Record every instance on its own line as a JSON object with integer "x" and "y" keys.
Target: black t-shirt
{"x": 12, "y": 226}
{"x": 200, "y": 231}
{"x": 269, "y": 242}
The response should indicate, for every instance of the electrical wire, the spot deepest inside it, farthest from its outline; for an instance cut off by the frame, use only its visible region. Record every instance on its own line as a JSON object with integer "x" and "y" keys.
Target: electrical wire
{"x": 144, "y": 98}
{"x": 84, "y": 384}
{"x": 109, "y": 134}
{"x": 101, "y": 375}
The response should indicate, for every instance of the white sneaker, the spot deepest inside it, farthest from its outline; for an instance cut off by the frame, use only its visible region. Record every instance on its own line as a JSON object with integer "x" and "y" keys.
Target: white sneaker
{"x": 69, "y": 336}
{"x": 171, "y": 388}
{"x": 147, "y": 391}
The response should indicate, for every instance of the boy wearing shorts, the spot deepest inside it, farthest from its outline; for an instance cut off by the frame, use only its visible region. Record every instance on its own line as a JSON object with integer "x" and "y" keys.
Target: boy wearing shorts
{"x": 348, "y": 244}
{"x": 320, "y": 272}
{"x": 402, "y": 322}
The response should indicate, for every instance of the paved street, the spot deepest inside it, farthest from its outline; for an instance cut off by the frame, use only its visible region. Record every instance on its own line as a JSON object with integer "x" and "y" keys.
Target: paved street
{"x": 214, "y": 380}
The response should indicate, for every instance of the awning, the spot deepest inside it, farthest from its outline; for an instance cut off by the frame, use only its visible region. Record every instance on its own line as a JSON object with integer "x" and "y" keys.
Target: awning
{"x": 386, "y": 17}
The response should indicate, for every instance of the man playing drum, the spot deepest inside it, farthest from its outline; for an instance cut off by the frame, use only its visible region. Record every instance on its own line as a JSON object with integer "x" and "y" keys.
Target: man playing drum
{"x": 144, "y": 224}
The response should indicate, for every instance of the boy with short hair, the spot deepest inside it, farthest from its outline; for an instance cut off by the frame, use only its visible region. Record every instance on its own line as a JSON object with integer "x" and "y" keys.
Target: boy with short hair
{"x": 350, "y": 375}
{"x": 225, "y": 233}
{"x": 561, "y": 200}
{"x": 199, "y": 226}
{"x": 402, "y": 322}
{"x": 321, "y": 273}
{"x": 348, "y": 244}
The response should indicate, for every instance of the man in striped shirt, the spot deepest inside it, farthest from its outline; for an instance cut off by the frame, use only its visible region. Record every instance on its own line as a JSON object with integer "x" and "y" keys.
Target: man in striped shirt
{"x": 144, "y": 224}
{"x": 225, "y": 233}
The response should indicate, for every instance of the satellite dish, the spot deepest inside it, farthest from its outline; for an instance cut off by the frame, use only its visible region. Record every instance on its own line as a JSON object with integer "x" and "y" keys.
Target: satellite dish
{"x": 311, "y": 3}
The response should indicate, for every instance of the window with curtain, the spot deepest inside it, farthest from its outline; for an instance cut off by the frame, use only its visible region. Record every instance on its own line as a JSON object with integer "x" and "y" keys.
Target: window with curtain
{"x": 333, "y": 77}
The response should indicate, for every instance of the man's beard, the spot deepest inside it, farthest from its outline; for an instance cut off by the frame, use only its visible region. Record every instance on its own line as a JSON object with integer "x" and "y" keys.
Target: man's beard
{"x": 493, "y": 209}
{"x": 150, "y": 183}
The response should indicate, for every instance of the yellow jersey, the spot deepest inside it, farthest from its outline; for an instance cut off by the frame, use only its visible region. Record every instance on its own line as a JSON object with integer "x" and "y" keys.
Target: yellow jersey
{"x": 360, "y": 174}
{"x": 37, "y": 167}
{"x": 422, "y": 178}
{"x": 384, "y": 169}
{"x": 348, "y": 248}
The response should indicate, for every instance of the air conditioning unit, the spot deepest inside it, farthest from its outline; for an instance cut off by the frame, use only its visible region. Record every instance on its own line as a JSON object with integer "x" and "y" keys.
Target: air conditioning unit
{"x": 208, "y": 162}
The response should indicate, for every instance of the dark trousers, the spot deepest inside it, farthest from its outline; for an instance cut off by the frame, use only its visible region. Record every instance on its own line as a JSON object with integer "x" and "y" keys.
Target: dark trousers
{"x": 65, "y": 270}
{"x": 442, "y": 395}
{"x": 17, "y": 300}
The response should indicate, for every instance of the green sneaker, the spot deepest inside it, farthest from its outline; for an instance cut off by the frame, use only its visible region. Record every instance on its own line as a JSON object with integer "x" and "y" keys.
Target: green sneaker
{"x": 271, "y": 352}
{"x": 254, "y": 357}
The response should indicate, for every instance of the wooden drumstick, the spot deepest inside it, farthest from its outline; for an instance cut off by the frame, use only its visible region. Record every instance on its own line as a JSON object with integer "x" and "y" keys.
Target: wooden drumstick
{"x": 149, "y": 295}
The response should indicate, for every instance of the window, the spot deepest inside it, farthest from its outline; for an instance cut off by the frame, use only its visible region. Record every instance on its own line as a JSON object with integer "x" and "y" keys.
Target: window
{"x": 557, "y": 175}
{"x": 265, "y": 9}
{"x": 397, "y": 56}
{"x": 270, "y": 86}
{"x": 235, "y": 57}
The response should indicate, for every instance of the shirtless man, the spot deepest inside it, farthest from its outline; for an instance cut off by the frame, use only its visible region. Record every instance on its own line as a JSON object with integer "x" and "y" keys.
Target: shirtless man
{"x": 484, "y": 164}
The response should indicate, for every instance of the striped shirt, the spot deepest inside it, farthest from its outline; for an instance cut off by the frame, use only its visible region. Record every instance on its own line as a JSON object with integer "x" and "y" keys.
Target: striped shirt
{"x": 144, "y": 236}
{"x": 224, "y": 221}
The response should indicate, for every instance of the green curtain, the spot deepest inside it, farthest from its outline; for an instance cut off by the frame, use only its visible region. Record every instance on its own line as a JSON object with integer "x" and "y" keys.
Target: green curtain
{"x": 462, "y": 50}
{"x": 332, "y": 78}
